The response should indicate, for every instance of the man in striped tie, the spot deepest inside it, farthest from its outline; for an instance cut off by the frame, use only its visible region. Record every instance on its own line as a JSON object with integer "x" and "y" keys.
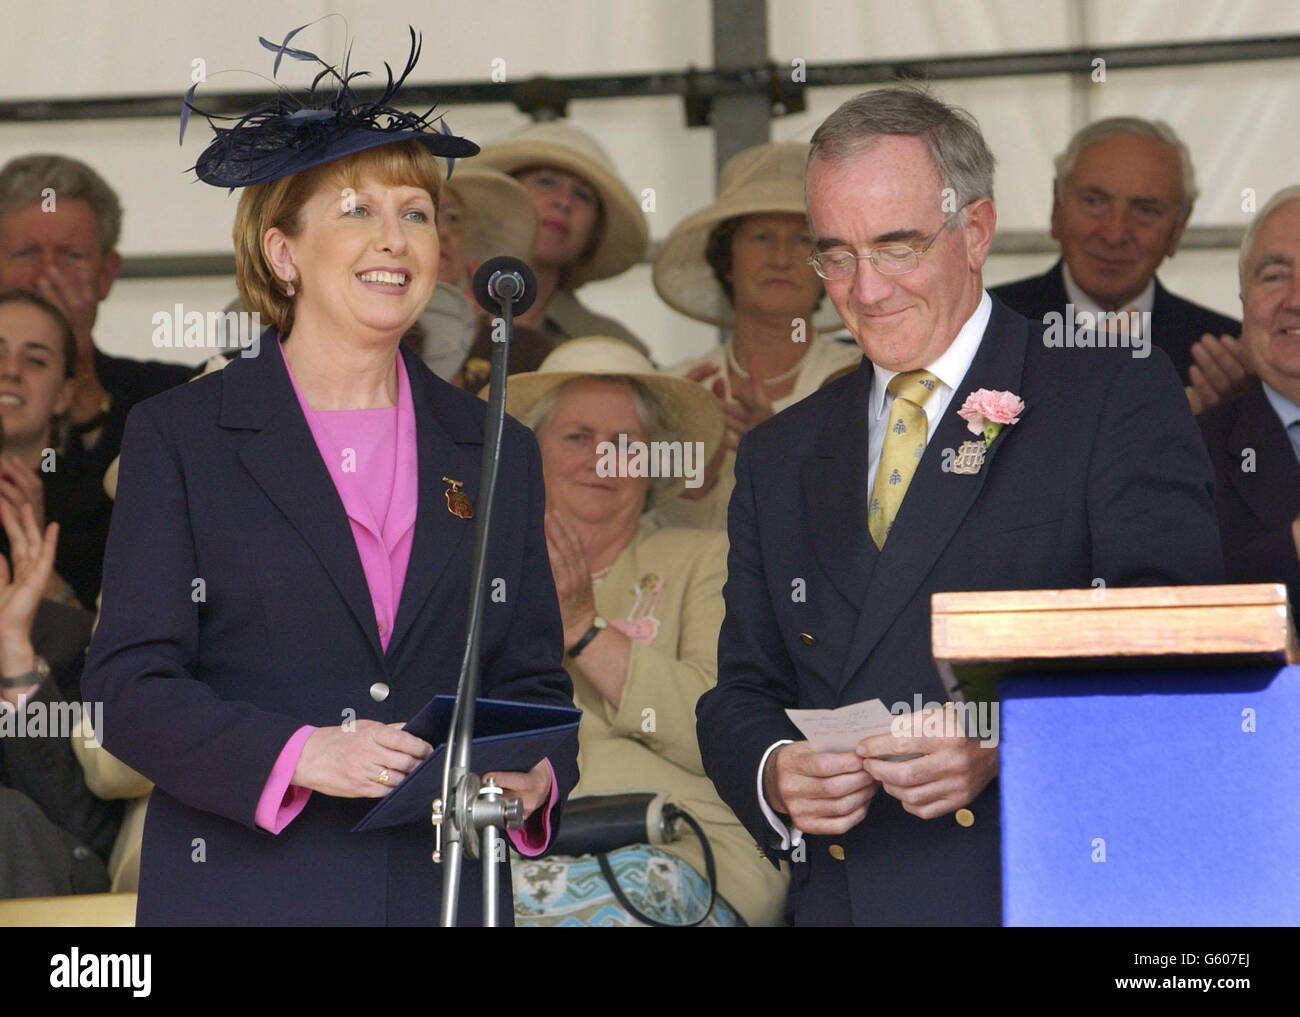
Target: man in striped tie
{"x": 965, "y": 453}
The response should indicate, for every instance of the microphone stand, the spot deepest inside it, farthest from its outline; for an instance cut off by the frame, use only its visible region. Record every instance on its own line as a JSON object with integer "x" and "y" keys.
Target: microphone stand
{"x": 469, "y": 805}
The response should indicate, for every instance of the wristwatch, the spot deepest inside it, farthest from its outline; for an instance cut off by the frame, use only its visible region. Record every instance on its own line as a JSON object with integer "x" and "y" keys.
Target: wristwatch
{"x": 39, "y": 672}
{"x": 597, "y": 624}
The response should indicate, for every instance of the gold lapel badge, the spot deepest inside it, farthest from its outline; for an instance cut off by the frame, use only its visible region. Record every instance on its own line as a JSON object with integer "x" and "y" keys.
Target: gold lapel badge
{"x": 457, "y": 501}
{"x": 969, "y": 458}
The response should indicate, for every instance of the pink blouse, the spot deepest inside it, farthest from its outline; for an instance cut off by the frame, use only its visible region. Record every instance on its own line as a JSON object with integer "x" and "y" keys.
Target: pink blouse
{"x": 371, "y": 456}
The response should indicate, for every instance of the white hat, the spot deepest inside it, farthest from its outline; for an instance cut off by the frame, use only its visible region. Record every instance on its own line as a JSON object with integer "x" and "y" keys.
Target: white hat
{"x": 692, "y": 411}
{"x": 757, "y": 181}
{"x": 624, "y": 234}
{"x": 500, "y": 217}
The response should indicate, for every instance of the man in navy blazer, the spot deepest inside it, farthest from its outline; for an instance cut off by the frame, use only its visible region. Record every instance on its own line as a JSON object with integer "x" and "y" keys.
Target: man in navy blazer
{"x": 1123, "y": 194}
{"x": 1176, "y": 324}
{"x": 236, "y": 610}
{"x": 1254, "y": 441}
{"x": 1103, "y": 478}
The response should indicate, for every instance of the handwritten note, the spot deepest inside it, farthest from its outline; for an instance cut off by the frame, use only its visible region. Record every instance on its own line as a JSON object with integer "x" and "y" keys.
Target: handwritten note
{"x": 841, "y": 729}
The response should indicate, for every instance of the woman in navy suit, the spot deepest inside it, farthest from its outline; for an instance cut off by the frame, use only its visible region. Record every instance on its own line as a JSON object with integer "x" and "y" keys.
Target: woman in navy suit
{"x": 288, "y": 568}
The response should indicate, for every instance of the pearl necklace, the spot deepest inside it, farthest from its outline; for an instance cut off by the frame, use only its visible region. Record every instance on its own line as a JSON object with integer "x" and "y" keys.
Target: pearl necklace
{"x": 740, "y": 372}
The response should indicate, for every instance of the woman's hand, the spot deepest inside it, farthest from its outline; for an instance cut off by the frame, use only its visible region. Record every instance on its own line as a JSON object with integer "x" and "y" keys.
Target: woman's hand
{"x": 33, "y": 557}
{"x": 572, "y": 578}
{"x": 532, "y": 788}
{"x": 21, "y": 485}
{"x": 749, "y": 408}
{"x": 702, "y": 373}
{"x": 348, "y": 762}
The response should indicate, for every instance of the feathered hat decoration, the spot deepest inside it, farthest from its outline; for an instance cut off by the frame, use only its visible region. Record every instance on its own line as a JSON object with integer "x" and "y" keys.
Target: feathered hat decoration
{"x": 288, "y": 134}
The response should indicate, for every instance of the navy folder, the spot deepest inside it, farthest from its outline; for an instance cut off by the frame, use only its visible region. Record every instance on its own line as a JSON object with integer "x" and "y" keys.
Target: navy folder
{"x": 507, "y": 737}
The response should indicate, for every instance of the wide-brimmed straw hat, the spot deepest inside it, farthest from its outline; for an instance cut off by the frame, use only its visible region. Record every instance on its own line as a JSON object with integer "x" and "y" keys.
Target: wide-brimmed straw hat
{"x": 691, "y": 411}
{"x": 500, "y": 217}
{"x": 624, "y": 235}
{"x": 758, "y": 181}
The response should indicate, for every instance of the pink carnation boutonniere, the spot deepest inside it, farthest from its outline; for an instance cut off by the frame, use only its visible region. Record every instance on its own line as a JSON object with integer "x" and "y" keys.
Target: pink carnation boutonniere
{"x": 986, "y": 412}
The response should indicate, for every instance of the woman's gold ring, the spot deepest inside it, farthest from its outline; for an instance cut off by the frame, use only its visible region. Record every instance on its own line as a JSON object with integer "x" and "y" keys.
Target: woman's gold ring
{"x": 383, "y": 776}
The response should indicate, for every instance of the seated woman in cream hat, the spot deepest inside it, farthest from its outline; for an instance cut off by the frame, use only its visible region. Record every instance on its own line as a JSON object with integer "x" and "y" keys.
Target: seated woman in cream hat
{"x": 641, "y": 607}
{"x": 742, "y": 263}
{"x": 591, "y": 225}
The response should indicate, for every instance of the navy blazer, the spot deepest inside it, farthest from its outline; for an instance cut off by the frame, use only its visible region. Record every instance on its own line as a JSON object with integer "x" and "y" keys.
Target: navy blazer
{"x": 1257, "y": 495}
{"x": 1105, "y": 476}
{"x": 236, "y": 610}
{"x": 1176, "y": 324}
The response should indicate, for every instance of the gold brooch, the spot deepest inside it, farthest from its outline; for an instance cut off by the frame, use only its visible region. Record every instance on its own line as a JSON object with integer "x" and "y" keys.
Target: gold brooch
{"x": 969, "y": 458}
{"x": 457, "y": 502}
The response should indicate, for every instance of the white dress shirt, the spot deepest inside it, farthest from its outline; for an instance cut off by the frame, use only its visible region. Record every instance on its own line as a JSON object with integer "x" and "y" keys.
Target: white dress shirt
{"x": 950, "y": 368}
{"x": 1142, "y": 303}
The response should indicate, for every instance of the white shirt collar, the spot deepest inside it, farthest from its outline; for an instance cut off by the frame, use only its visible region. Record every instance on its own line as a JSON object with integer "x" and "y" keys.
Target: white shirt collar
{"x": 951, "y": 365}
{"x": 1143, "y": 303}
{"x": 1287, "y": 411}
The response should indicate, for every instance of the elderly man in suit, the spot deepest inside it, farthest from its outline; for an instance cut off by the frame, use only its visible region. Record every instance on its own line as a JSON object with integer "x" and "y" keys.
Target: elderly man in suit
{"x": 852, "y": 507}
{"x": 1123, "y": 193}
{"x": 1254, "y": 441}
{"x": 59, "y": 227}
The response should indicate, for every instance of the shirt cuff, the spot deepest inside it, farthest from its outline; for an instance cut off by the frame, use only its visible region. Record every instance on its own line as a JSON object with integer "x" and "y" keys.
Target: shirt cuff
{"x": 790, "y": 835}
{"x": 281, "y": 800}
{"x": 532, "y": 840}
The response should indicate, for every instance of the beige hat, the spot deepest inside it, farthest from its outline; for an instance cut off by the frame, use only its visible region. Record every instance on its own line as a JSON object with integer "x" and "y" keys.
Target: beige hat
{"x": 692, "y": 411}
{"x": 763, "y": 179}
{"x": 500, "y": 217}
{"x": 624, "y": 236}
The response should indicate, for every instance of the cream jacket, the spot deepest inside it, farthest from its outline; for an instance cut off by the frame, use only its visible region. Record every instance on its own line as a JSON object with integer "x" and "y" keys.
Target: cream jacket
{"x": 664, "y": 591}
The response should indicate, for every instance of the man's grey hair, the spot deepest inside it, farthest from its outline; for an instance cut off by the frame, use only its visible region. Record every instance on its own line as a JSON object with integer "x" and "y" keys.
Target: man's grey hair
{"x": 1153, "y": 130}
{"x": 23, "y": 182}
{"x": 1282, "y": 197}
{"x": 951, "y": 135}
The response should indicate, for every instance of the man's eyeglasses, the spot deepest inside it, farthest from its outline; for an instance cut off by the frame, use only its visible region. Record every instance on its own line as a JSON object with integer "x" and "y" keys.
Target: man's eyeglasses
{"x": 888, "y": 259}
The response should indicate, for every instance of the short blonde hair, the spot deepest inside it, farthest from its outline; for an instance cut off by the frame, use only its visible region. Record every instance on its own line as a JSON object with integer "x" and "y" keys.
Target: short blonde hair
{"x": 277, "y": 203}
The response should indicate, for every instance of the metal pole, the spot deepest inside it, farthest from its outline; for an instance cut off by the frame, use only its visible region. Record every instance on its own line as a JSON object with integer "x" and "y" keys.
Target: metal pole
{"x": 459, "y": 784}
{"x": 751, "y": 77}
{"x": 490, "y": 844}
{"x": 740, "y": 41}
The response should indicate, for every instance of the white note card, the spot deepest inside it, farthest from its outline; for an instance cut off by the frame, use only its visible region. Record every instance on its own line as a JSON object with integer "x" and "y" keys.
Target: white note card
{"x": 841, "y": 729}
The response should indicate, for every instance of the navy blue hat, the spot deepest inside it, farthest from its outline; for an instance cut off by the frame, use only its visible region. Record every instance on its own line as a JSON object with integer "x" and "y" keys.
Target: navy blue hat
{"x": 288, "y": 134}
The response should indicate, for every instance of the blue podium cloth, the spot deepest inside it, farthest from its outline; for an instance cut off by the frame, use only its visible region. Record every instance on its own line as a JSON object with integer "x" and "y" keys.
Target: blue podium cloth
{"x": 1151, "y": 798}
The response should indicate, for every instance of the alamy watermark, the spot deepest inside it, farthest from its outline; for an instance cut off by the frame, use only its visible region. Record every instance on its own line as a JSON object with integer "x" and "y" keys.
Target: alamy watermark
{"x": 919, "y": 719}
{"x": 216, "y": 330}
{"x": 1126, "y": 330}
{"x": 43, "y": 719}
{"x": 652, "y": 459}
{"x": 77, "y": 970}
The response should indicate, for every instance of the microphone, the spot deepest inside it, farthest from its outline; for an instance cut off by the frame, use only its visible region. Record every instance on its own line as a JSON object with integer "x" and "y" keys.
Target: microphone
{"x": 505, "y": 280}
{"x": 504, "y": 286}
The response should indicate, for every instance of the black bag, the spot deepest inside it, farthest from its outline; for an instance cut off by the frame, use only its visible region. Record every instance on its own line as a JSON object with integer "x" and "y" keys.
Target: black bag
{"x": 598, "y": 824}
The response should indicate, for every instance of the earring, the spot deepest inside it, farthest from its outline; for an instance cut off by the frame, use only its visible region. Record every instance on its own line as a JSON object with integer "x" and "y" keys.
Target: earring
{"x": 288, "y": 289}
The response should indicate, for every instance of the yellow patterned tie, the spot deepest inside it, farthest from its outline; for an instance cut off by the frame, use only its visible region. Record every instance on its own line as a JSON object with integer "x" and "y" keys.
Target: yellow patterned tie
{"x": 902, "y": 449}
